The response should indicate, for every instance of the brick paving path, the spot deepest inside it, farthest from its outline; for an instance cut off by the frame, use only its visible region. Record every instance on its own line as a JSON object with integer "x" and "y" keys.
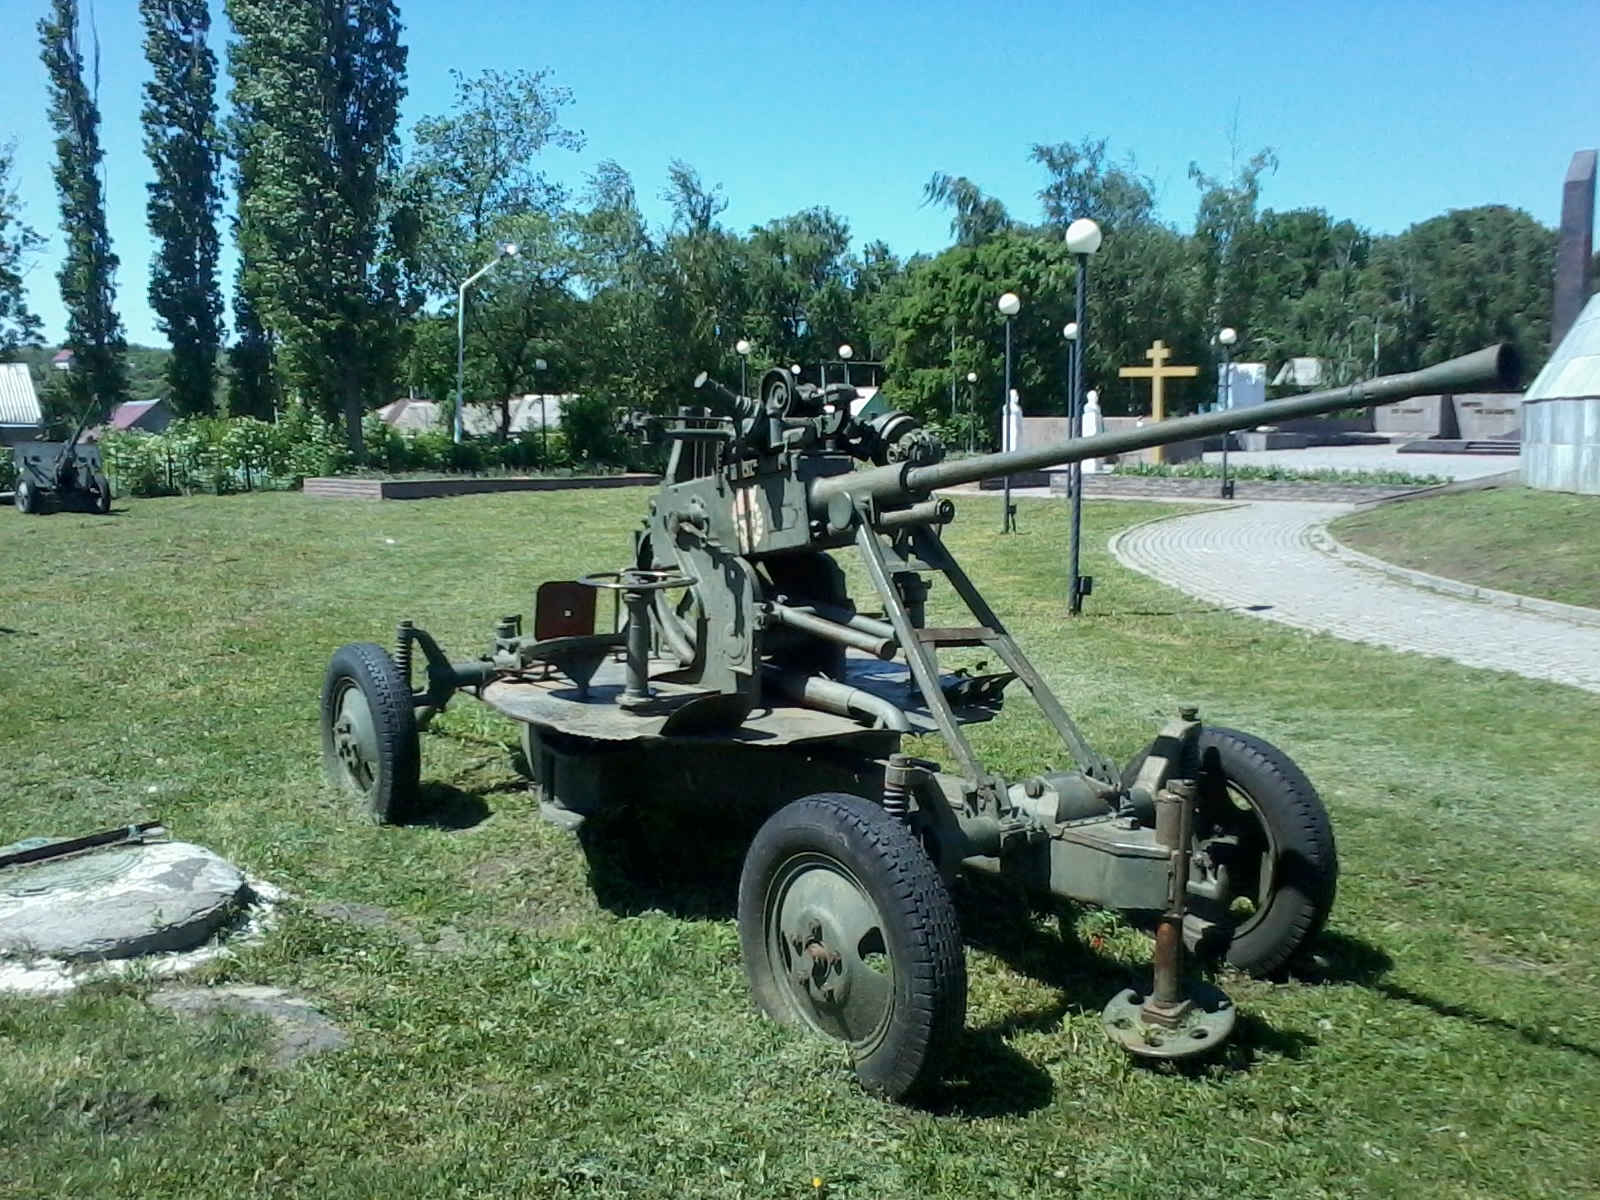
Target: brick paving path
{"x": 1260, "y": 558}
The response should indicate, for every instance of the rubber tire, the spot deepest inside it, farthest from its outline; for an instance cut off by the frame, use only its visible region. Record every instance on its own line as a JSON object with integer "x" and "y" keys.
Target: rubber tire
{"x": 393, "y": 796}
{"x": 25, "y": 497}
{"x": 102, "y": 495}
{"x": 921, "y": 932}
{"x": 1307, "y": 860}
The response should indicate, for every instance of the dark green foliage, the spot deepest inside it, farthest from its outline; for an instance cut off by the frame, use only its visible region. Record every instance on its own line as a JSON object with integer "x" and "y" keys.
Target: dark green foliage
{"x": 1468, "y": 278}
{"x": 316, "y": 92}
{"x": 184, "y": 146}
{"x": 252, "y": 383}
{"x": 18, "y": 243}
{"x": 88, "y": 291}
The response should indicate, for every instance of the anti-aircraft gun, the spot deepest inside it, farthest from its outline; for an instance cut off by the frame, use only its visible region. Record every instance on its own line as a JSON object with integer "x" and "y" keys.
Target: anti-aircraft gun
{"x": 741, "y": 670}
{"x": 52, "y": 476}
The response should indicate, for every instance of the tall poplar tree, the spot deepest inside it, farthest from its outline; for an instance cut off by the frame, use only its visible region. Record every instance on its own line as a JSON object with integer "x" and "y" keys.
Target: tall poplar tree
{"x": 181, "y": 138}
{"x": 88, "y": 291}
{"x": 316, "y": 94}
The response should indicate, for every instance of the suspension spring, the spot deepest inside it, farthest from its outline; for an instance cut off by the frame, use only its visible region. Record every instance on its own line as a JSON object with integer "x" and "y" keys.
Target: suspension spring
{"x": 404, "y": 635}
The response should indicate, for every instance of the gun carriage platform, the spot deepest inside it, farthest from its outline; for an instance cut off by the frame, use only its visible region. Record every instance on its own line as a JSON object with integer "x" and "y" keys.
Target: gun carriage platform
{"x": 740, "y": 670}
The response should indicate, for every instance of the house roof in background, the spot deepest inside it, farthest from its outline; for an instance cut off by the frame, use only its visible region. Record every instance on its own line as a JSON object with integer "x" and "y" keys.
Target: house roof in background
{"x": 19, "y": 404}
{"x": 1574, "y": 369}
{"x": 126, "y": 416}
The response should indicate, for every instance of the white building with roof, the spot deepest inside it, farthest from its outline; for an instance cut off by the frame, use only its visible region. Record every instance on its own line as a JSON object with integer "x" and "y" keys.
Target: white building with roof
{"x": 21, "y": 418}
{"x": 1561, "y": 413}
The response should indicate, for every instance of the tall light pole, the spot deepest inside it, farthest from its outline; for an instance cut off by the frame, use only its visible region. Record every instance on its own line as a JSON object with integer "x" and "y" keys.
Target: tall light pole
{"x": 846, "y": 354}
{"x": 1070, "y": 332}
{"x": 972, "y": 410}
{"x": 539, "y": 364}
{"x": 1083, "y": 240}
{"x": 742, "y": 349}
{"x": 1009, "y": 307}
{"x": 1226, "y": 339}
{"x": 507, "y": 250}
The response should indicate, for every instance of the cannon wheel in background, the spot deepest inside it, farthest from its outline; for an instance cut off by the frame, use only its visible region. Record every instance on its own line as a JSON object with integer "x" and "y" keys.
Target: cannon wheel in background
{"x": 102, "y": 495}
{"x": 369, "y": 731}
{"x": 1260, "y": 817}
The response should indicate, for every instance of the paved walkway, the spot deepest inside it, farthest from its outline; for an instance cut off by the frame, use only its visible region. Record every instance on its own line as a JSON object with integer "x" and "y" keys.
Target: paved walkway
{"x": 1260, "y": 559}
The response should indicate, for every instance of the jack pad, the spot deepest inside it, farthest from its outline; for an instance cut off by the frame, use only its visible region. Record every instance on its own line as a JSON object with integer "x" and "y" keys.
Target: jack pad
{"x": 1207, "y": 1023}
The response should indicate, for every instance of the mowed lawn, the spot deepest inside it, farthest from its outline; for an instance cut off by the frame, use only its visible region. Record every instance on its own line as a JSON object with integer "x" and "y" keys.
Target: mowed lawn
{"x": 1516, "y": 539}
{"x": 533, "y": 1018}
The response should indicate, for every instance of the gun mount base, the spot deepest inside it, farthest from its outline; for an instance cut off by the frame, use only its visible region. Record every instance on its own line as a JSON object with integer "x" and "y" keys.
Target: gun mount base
{"x": 1203, "y": 1020}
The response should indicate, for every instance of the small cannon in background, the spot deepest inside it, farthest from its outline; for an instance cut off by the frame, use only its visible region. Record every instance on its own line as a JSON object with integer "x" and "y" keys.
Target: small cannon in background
{"x": 57, "y": 476}
{"x": 745, "y": 673}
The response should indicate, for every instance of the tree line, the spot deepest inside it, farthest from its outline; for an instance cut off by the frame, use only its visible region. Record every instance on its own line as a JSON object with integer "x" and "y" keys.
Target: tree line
{"x": 352, "y": 247}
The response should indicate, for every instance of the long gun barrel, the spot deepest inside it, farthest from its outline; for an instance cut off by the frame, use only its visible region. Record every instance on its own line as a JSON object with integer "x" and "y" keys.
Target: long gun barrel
{"x": 1496, "y": 368}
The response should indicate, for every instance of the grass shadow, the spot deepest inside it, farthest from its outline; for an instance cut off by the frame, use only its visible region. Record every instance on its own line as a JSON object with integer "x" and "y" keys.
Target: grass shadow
{"x": 1002, "y": 923}
{"x": 986, "y": 1077}
{"x": 441, "y": 806}
{"x": 1341, "y": 958}
{"x": 681, "y": 860}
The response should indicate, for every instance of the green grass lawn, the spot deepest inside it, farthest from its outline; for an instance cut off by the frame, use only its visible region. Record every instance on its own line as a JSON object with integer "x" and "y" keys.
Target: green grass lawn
{"x": 535, "y": 1021}
{"x": 1516, "y": 539}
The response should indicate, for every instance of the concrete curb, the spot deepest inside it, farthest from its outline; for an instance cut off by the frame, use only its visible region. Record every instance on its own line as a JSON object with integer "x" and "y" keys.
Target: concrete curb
{"x": 1330, "y": 545}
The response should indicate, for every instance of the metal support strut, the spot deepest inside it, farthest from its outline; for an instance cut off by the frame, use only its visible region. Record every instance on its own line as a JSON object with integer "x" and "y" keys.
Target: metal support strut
{"x": 1170, "y": 1022}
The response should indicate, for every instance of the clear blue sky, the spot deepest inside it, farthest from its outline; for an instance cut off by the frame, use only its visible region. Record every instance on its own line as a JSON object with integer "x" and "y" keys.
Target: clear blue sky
{"x": 1384, "y": 111}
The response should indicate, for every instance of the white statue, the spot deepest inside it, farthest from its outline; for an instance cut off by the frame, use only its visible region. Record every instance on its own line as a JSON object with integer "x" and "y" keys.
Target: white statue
{"x": 1091, "y": 426}
{"x": 1011, "y": 423}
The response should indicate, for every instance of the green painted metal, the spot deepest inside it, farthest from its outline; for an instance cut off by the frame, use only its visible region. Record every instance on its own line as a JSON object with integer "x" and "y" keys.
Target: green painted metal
{"x": 745, "y": 672}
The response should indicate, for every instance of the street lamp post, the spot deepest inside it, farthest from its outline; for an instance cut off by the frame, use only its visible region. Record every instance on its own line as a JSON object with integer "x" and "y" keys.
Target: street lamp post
{"x": 1227, "y": 338}
{"x": 846, "y": 354}
{"x": 1070, "y": 332}
{"x": 1009, "y": 307}
{"x": 507, "y": 250}
{"x": 1083, "y": 240}
{"x": 972, "y": 411}
{"x": 539, "y": 364}
{"x": 742, "y": 348}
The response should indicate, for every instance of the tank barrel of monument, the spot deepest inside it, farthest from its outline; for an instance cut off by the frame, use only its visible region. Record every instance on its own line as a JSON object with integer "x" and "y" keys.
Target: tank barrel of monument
{"x": 1495, "y": 368}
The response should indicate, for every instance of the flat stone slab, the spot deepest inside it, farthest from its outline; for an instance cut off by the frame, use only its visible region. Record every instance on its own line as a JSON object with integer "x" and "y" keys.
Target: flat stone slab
{"x": 301, "y": 1028}
{"x": 120, "y": 902}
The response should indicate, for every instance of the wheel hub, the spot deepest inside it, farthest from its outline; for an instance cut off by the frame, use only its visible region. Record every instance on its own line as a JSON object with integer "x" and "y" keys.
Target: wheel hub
{"x": 828, "y": 943}
{"x": 355, "y": 739}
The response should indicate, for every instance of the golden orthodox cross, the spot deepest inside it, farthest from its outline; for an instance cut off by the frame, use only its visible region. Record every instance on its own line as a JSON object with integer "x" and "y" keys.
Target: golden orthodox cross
{"x": 1158, "y": 373}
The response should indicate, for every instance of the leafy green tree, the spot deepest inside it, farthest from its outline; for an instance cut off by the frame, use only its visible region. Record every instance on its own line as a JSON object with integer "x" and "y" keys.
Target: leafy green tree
{"x": 316, "y": 92}
{"x": 1468, "y": 278}
{"x": 975, "y": 217}
{"x": 19, "y": 327}
{"x": 956, "y": 292}
{"x": 88, "y": 289}
{"x": 475, "y": 183}
{"x": 1227, "y": 241}
{"x": 184, "y": 146}
{"x": 1083, "y": 184}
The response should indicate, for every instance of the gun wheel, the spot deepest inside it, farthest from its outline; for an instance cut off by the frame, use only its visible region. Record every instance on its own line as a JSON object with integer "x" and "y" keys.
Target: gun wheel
{"x": 847, "y": 930}
{"x": 369, "y": 731}
{"x": 102, "y": 495}
{"x": 26, "y": 497}
{"x": 1262, "y": 828}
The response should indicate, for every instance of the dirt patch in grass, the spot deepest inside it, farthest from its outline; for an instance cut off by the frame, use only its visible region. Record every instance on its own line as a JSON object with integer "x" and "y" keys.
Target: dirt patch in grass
{"x": 1516, "y": 539}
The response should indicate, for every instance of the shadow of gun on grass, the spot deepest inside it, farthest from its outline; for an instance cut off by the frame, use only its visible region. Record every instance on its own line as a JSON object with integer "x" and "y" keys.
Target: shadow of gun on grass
{"x": 1340, "y": 958}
